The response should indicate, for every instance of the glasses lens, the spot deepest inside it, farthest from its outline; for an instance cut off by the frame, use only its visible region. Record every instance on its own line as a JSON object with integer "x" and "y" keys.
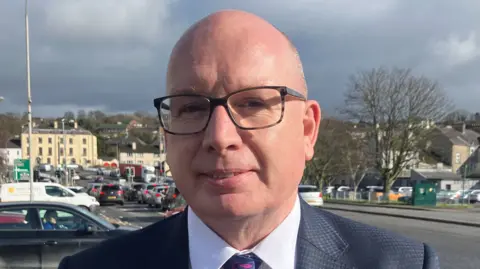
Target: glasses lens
{"x": 184, "y": 114}
{"x": 256, "y": 108}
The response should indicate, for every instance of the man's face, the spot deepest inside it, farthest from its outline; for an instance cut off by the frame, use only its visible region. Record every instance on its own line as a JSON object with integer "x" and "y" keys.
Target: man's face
{"x": 270, "y": 161}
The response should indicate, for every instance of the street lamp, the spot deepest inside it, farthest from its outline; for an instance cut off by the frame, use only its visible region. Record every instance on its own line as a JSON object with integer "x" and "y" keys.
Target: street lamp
{"x": 29, "y": 98}
{"x": 64, "y": 152}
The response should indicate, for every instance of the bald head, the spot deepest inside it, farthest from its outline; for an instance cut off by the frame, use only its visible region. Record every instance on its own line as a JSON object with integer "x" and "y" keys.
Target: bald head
{"x": 234, "y": 49}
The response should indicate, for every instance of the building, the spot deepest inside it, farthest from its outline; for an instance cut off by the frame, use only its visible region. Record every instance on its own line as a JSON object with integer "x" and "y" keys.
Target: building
{"x": 48, "y": 145}
{"x": 453, "y": 147}
{"x": 11, "y": 151}
{"x": 134, "y": 153}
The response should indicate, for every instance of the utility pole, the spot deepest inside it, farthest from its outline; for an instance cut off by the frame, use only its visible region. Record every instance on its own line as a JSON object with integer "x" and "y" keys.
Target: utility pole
{"x": 463, "y": 182}
{"x": 29, "y": 100}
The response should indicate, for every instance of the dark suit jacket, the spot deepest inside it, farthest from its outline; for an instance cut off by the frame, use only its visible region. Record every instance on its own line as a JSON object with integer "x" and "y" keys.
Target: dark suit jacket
{"x": 325, "y": 241}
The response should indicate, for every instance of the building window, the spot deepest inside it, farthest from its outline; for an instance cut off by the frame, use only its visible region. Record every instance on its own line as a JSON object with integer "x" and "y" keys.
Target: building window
{"x": 70, "y": 140}
{"x": 84, "y": 141}
{"x": 49, "y": 140}
{"x": 49, "y": 160}
{"x": 130, "y": 162}
{"x": 457, "y": 158}
{"x": 61, "y": 140}
{"x": 84, "y": 152}
{"x": 18, "y": 152}
{"x": 49, "y": 151}
{"x": 28, "y": 151}
{"x": 40, "y": 151}
{"x": 70, "y": 151}
{"x": 40, "y": 140}
{"x": 140, "y": 162}
{"x": 61, "y": 151}
{"x": 129, "y": 154}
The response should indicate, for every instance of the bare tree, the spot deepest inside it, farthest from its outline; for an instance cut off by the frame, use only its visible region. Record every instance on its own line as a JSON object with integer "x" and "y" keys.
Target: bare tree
{"x": 322, "y": 169}
{"x": 400, "y": 108}
{"x": 356, "y": 158}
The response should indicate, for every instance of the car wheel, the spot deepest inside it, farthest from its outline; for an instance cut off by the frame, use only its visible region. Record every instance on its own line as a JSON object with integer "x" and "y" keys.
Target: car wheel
{"x": 121, "y": 203}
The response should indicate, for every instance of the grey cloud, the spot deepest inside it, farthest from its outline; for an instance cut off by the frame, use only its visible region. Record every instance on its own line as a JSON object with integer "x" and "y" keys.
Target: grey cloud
{"x": 112, "y": 54}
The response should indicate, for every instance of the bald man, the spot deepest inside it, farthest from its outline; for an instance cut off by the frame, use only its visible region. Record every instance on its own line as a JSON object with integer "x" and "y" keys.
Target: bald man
{"x": 239, "y": 129}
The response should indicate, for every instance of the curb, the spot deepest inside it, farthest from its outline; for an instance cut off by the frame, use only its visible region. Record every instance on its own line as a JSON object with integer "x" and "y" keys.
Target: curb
{"x": 461, "y": 223}
{"x": 382, "y": 206}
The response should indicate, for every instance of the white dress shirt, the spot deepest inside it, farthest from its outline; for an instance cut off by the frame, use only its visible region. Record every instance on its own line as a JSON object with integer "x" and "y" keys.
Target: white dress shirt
{"x": 277, "y": 250}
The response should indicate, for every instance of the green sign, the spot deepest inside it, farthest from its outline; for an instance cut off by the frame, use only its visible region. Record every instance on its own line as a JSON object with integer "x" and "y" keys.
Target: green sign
{"x": 22, "y": 169}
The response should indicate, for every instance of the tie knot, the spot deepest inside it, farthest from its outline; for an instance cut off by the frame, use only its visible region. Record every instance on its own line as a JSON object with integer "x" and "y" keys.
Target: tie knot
{"x": 243, "y": 261}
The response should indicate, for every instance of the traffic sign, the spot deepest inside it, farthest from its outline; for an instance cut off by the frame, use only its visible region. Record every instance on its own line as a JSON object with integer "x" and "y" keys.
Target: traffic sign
{"x": 21, "y": 169}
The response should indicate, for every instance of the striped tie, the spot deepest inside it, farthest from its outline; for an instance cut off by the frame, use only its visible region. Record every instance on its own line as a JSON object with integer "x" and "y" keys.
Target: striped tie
{"x": 245, "y": 261}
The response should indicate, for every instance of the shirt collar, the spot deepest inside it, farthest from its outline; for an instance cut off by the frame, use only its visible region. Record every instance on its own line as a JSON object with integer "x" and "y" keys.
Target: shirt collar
{"x": 277, "y": 250}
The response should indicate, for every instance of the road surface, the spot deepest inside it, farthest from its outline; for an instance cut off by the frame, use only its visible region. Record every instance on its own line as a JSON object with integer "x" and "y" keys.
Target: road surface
{"x": 457, "y": 246}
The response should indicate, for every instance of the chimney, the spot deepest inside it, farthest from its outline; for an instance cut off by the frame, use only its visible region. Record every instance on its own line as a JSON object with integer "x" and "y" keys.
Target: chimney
{"x": 75, "y": 125}
{"x": 464, "y": 126}
{"x": 55, "y": 124}
{"x": 134, "y": 146}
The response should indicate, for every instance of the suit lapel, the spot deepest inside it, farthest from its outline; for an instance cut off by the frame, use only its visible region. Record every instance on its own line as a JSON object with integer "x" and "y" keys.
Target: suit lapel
{"x": 175, "y": 250}
{"x": 318, "y": 244}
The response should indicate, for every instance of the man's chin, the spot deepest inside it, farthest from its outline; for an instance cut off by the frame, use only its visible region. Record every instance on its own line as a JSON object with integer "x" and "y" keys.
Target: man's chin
{"x": 228, "y": 206}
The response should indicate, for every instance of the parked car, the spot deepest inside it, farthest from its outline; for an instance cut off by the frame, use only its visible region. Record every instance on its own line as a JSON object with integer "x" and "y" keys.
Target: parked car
{"x": 157, "y": 195}
{"x": 27, "y": 239}
{"x": 111, "y": 194}
{"x": 133, "y": 193}
{"x": 311, "y": 194}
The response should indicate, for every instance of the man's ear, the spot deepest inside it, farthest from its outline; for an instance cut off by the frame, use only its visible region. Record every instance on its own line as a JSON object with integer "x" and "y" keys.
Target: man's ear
{"x": 311, "y": 124}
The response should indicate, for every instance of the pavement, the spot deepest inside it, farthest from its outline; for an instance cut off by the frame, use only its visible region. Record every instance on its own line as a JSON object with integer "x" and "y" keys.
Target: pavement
{"x": 457, "y": 217}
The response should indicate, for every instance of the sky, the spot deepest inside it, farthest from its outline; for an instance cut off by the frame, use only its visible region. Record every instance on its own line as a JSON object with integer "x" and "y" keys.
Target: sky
{"x": 111, "y": 55}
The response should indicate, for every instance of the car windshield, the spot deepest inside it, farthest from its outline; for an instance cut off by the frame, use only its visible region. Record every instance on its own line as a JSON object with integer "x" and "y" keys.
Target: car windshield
{"x": 75, "y": 190}
{"x": 137, "y": 187}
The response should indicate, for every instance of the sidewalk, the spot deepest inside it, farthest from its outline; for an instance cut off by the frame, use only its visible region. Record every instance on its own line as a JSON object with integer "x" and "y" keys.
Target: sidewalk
{"x": 464, "y": 218}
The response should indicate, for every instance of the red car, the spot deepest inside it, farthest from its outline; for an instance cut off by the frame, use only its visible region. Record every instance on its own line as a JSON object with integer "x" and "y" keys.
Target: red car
{"x": 11, "y": 218}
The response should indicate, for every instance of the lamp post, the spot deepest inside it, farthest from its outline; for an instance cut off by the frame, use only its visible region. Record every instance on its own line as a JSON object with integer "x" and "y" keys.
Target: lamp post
{"x": 29, "y": 98}
{"x": 64, "y": 152}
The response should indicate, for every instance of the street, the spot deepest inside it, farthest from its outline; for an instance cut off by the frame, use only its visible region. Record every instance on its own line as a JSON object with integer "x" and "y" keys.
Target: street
{"x": 457, "y": 246}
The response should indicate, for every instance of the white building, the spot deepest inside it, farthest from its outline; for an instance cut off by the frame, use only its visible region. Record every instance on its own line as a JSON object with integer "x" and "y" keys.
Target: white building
{"x": 11, "y": 150}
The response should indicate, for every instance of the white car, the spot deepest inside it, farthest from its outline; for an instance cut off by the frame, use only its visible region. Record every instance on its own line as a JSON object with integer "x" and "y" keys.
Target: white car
{"x": 78, "y": 190}
{"x": 311, "y": 194}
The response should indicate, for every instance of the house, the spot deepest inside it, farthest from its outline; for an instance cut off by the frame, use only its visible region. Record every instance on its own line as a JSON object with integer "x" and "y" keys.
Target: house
{"x": 11, "y": 150}
{"x": 452, "y": 147}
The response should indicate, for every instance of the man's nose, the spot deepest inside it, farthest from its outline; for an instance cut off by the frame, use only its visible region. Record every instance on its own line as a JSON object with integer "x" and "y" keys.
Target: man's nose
{"x": 221, "y": 134}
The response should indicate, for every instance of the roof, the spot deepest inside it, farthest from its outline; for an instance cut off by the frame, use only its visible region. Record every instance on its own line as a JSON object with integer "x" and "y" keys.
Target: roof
{"x": 39, "y": 203}
{"x": 125, "y": 140}
{"x": 140, "y": 149}
{"x": 444, "y": 175}
{"x": 466, "y": 138}
{"x": 78, "y": 131}
{"x": 13, "y": 144}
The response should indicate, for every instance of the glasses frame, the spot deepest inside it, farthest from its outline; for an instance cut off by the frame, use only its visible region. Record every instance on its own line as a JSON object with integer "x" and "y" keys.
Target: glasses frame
{"x": 223, "y": 101}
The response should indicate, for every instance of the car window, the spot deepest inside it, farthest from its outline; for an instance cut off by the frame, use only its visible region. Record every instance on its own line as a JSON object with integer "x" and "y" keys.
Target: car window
{"x": 307, "y": 189}
{"x": 53, "y": 191}
{"x": 137, "y": 187}
{"x": 16, "y": 219}
{"x": 111, "y": 188}
{"x": 149, "y": 187}
{"x": 55, "y": 219}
